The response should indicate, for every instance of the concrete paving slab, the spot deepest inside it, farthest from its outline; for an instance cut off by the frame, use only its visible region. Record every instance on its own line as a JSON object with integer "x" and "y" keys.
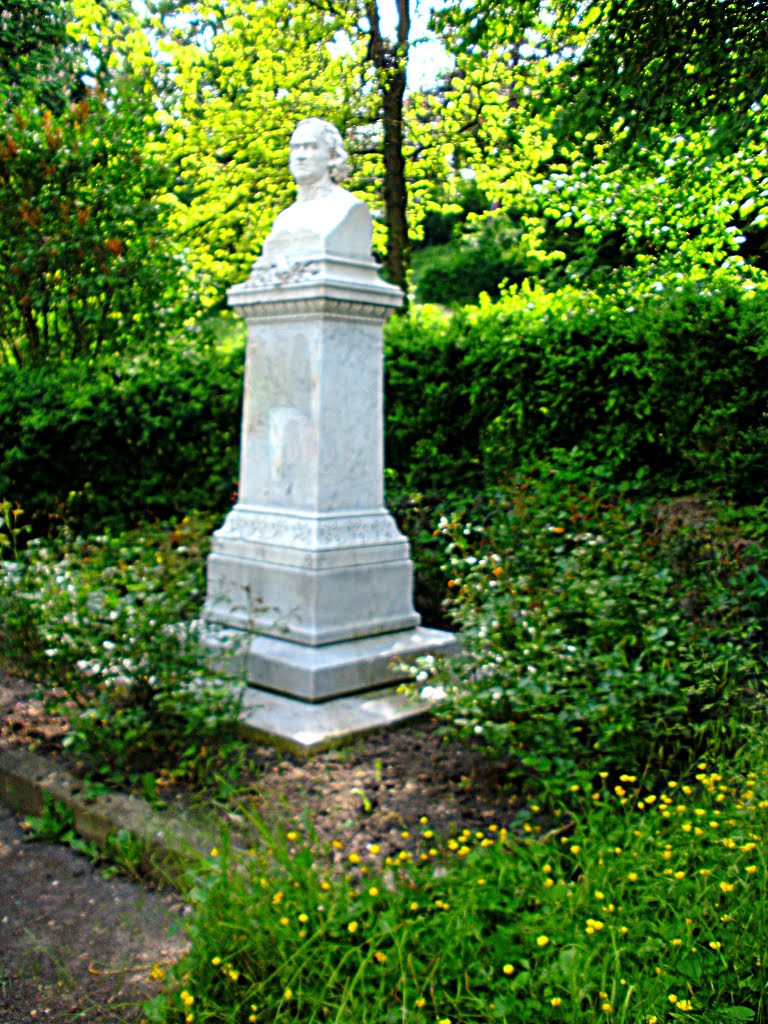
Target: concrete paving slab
{"x": 169, "y": 844}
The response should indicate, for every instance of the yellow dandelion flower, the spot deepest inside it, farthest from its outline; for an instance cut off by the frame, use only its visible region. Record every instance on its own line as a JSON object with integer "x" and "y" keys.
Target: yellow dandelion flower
{"x": 233, "y": 974}
{"x": 284, "y": 921}
{"x": 216, "y": 961}
{"x": 303, "y": 918}
{"x": 420, "y": 1002}
{"x": 292, "y": 836}
{"x": 354, "y": 858}
{"x": 373, "y": 891}
{"x": 599, "y": 895}
{"x": 715, "y": 945}
{"x": 727, "y": 886}
{"x": 374, "y": 848}
{"x": 556, "y": 1001}
{"x": 542, "y": 940}
{"x": 508, "y": 969}
{"x": 548, "y": 883}
{"x": 186, "y": 997}
{"x": 632, "y": 876}
{"x": 423, "y": 820}
{"x": 380, "y": 957}
{"x": 214, "y": 852}
{"x": 414, "y": 906}
{"x": 352, "y": 927}
{"x": 685, "y": 1005}
{"x": 751, "y": 869}
{"x": 337, "y": 844}
{"x": 288, "y": 995}
{"x": 606, "y": 1008}
{"x": 575, "y": 848}
{"x": 672, "y": 998}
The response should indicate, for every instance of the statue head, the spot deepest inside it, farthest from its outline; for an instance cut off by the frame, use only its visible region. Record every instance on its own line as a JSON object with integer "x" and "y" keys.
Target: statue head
{"x": 317, "y": 152}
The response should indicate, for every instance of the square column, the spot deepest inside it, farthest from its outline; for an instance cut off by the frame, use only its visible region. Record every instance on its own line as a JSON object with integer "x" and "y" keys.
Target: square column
{"x": 309, "y": 571}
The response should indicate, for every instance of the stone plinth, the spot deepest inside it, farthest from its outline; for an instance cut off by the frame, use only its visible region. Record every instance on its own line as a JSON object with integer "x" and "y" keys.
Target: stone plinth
{"x": 309, "y": 568}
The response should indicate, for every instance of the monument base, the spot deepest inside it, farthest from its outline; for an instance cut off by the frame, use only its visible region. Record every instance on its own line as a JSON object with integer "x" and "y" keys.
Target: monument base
{"x": 305, "y": 729}
{"x": 316, "y": 674}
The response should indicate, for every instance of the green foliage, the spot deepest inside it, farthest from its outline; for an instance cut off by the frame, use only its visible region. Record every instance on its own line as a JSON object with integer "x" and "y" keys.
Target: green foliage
{"x": 665, "y": 383}
{"x": 54, "y": 824}
{"x": 240, "y": 76}
{"x": 649, "y": 905}
{"x": 36, "y": 55}
{"x": 482, "y": 260}
{"x": 89, "y": 264}
{"x": 148, "y": 436}
{"x": 597, "y": 639}
{"x": 104, "y": 621}
{"x": 428, "y": 419}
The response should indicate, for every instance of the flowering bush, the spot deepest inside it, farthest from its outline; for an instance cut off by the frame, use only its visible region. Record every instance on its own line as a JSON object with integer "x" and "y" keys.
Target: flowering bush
{"x": 589, "y": 643}
{"x": 106, "y": 624}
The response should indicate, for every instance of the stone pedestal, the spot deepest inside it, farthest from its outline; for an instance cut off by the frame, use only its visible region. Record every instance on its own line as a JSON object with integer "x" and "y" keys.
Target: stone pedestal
{"x": 309, "y": 570}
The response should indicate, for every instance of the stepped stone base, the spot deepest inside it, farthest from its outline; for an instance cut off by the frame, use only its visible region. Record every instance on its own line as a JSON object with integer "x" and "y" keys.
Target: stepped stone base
{"x": 316, "y": 674}
{"x": 308, "y": 728}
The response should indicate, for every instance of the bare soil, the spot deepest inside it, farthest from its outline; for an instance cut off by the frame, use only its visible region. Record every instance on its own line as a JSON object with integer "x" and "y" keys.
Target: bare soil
{"x": 75, "y": 946}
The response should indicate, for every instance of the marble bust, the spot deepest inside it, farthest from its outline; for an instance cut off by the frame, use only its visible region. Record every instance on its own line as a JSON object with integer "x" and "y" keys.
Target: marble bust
{"x": 325, "y": 220}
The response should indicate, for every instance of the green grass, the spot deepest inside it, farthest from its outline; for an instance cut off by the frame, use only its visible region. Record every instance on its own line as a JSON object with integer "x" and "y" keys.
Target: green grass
{"x": 633, "y": 907}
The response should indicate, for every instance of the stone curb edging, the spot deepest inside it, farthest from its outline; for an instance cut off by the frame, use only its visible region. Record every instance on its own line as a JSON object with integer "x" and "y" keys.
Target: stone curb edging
{"x": 170, "y": 845}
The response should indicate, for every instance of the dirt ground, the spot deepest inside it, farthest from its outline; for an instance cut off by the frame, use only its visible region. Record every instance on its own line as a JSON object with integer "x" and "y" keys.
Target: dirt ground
{"x": 75, "y": 946}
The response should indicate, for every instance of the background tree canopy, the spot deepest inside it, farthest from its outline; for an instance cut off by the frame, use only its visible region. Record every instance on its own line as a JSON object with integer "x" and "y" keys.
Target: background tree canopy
{"x": 590, "y": 144}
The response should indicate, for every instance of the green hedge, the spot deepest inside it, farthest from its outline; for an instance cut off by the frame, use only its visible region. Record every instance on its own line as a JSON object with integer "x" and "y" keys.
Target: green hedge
{"x": 123, "y": 440}
{"x": 670, "y": 387}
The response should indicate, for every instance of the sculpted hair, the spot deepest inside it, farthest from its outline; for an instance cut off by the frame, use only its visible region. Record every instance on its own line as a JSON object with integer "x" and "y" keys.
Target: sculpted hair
{"x": 338, "y": 166}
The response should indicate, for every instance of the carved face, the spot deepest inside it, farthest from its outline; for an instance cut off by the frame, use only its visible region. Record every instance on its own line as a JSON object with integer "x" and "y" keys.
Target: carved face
{"x": 310, "y": 155}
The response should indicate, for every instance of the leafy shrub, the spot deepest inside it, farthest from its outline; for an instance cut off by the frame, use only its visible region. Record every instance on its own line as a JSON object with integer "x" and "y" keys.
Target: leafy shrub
{"x": 101, "y": 624}
{"x": 88, "y": 264}
{"x": 667, "y": 385}
{"x": 109, "y": 443}
{"x": 591, "y": 641}
{"x": 478, "y": 261}
{"x": 650, "y": 905}
{"x": 431, "y": 437}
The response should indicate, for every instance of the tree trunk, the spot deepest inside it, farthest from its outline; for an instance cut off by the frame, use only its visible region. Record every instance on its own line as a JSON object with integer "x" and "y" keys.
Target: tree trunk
{"x": 395, "y": 189}
{"x": 390, "y": 61}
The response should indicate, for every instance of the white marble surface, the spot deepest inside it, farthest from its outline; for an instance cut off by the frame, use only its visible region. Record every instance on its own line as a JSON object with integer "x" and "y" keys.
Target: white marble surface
{"x": 307, "y": 728}
{"x": 309, "y": 565}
